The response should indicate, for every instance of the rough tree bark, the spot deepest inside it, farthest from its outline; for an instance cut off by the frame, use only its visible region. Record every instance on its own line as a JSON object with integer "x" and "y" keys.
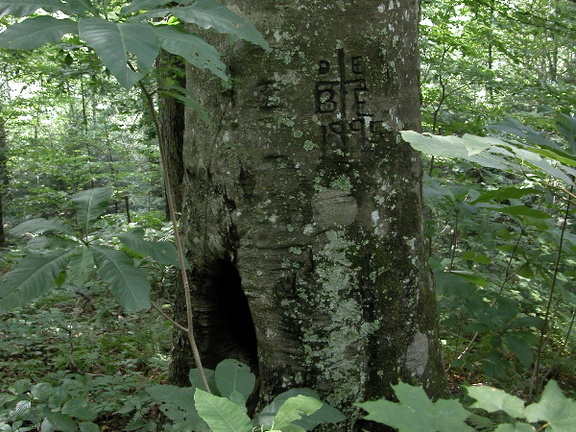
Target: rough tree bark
{"x": 302, "y": 207}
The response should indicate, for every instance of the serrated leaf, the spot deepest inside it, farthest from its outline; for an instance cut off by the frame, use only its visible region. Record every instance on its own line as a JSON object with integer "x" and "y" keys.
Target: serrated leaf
{"x": 21, "y": 8}
{"x": 81, "y": 266}
{"x": 42, "y": 226}
{"x": 221, "y": 414}
{"x": 89, "y": 205}
{"x": 192, "y": 48}
{"x": 127, "y": 283}
{"x": 33, "y": 276}
{"x": 35, "y": 32}
{"x": 492, "y": 400}
{"x": 553, "y": 408}
{"x": 163, "y": 252}
{"x": 114, "y": 41}
{"x": 211, "y": 14}
{"x": 233, "y": 376}
{"x": 416, "y": 413}
{"x": 294, "y": 409}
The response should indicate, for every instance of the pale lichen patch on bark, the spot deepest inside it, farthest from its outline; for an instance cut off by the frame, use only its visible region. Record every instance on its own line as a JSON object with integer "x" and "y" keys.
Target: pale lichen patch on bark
{"x": 417, "y": 355}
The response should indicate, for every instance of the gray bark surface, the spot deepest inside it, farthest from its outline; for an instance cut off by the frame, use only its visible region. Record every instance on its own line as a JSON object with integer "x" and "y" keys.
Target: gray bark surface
{"x": 301, "y": 198}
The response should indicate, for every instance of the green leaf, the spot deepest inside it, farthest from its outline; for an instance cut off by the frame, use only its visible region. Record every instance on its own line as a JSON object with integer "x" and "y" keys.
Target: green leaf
{"x": 163, "y": 252}
{"x": 478, "y": 257}
{"x": 89, "y": 427}
{"x": 566, "y": 125}
{"x": 294, "y": 408}
{"x": 521, "y": 210}
{"x": 416, "y": 413}
{"x": 191, "y": 48}
{"x": 60, "y": 422}
{"x": 492, "y": 400}
{"x": 326, "y": 414}
{"x": 516, "y": 427}
{"x": 520, "y": 348}
{"x": 221, "y": 414}
{"x": 78, "y": 408}
{"x": 128, "y": 284}
{"x": 89, "y": 205}
{"x": 211, "y": 14}
{"x": 232, "y": 376}
{"x": 42, "y": 226}
{"x": 80, "y": 7}
{"x": 35, "y": 32}
{"x": 196, "y": 380}
{"x": 553, "y": 408}
{"x": 33, "y": 276}
{"x": 21, "y": 8}
{"x": 507, "y": 193}
{"x": 81, "y": 266}
{"x": 471, "y": 276}
{"x": 177, "y": 404}
{"x": 112, "y": 43}
{"x": 141, "y": 5}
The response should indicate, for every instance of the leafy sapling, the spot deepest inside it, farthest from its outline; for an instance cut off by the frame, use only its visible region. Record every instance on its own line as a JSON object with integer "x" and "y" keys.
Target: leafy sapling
{"x": 224, "y": 409}
{"x": 62, "y": 252}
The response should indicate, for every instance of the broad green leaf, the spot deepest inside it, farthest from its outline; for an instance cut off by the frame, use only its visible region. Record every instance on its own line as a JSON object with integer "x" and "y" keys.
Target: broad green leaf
{"x": 89, "y": 427}
{"x": 81, "y": 266}
{"x": 35, "y": 32}
{"x": 507, "y": 193}
{"x": 33, "y": 276}
{"x": 192, "y": 48}
{"x": 553, "y": 408}
{"x": 416, "y": 413}
{"x": 294, "y": 408}
{"x": 221, "y": 414}
{"x": 128, "y": 284}
{"x": 80, "y": 7}
{"x": 566, "y": 125}
{"x": 162, "y": 252}
{"x": 520, "y": 348}
{"x": 42, "y": 226}
{"x": 196, "y": 381}
{"x": 433, "y": 145}
{"x": 177, "y": 403}
{"x": 326, "y": 414}
{"x": 112, "y": 43}
{"x": 79, "y": 408}
{"x": 516, "y": 427}
{"x": 141, "y": 5}
{"x": 211, "y": 14}
{"x": 492, "y": 400}
{"x": 89, "y": 205}
{"x": 478, "y": 257}
{"x": 471, "y": 276}
{"x": 60, "y": 422}
{"x": 476, "y": 144}
{"x": 521, "y": 210}
{"x": 21, "y": 8}
{"x": 233, "y": 376}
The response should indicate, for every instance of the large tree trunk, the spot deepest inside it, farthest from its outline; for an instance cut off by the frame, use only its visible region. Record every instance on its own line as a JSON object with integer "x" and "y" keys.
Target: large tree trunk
{"x": 303, "y": 208}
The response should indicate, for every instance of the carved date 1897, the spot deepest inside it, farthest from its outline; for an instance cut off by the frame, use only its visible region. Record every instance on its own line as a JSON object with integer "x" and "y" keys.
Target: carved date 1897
{"x": 340, "y": 98}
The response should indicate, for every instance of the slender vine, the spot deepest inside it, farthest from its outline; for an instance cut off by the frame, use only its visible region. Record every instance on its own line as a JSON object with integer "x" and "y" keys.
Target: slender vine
{"x": 189, "y": 328}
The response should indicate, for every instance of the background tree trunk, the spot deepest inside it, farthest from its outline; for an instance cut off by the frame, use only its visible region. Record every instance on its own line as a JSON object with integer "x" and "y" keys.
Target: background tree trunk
{"x": 3, "y": 175}
{"x": 303, "y": 207}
